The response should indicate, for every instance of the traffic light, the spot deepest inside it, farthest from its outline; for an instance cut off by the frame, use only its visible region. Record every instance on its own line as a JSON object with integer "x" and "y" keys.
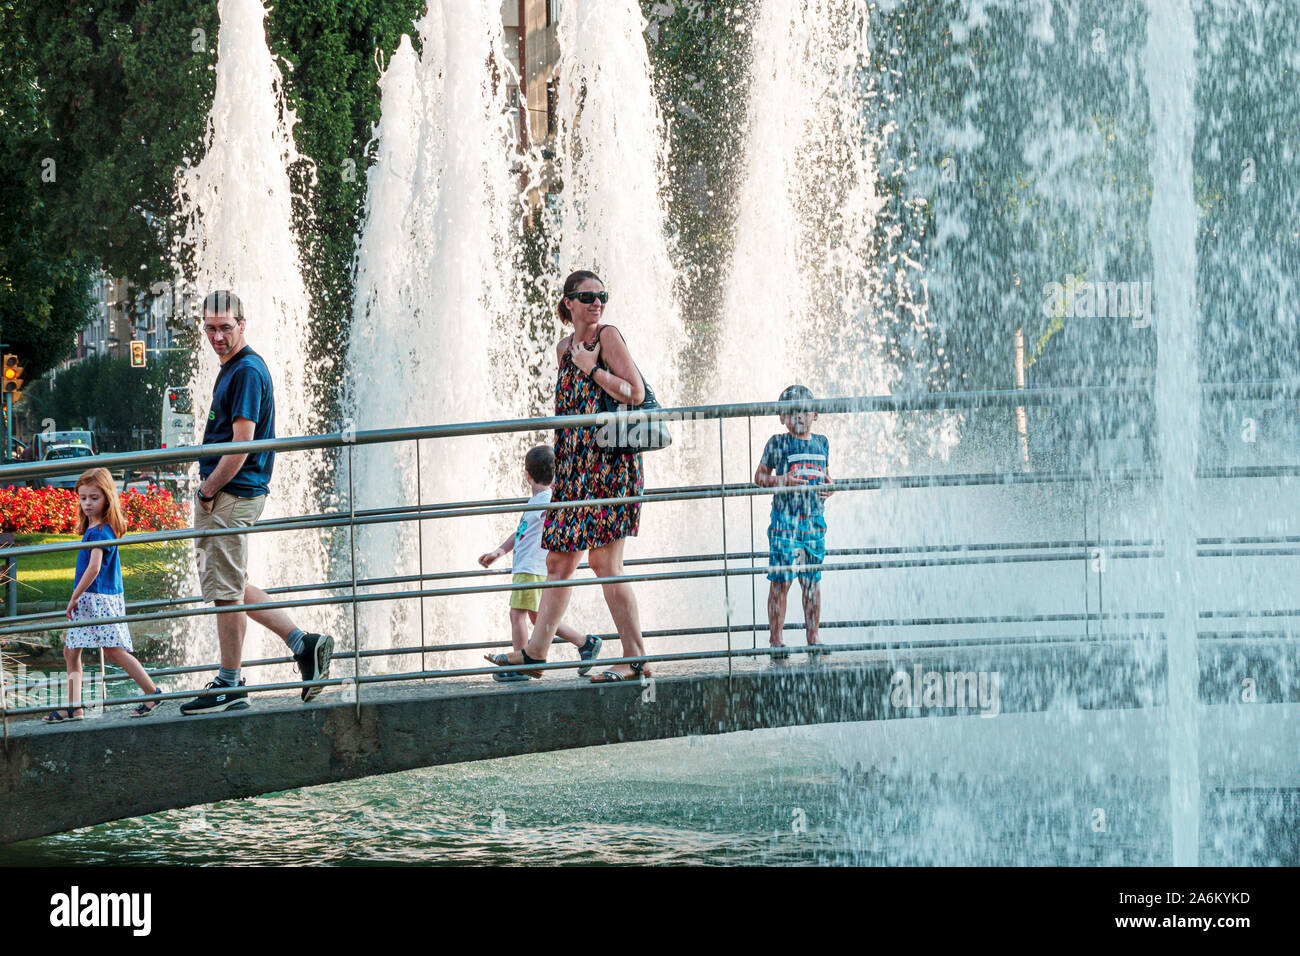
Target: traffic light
{"x": 13, "y": 374}
{"x": 137, "y": 353}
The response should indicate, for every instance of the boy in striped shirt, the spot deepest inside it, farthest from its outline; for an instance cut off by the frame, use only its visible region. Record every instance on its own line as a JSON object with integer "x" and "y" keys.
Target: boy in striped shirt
{"x": 796, "y": 535}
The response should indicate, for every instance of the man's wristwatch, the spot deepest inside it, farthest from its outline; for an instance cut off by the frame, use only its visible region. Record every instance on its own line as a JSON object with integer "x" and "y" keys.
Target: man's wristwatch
{"x": 202, "y": 497}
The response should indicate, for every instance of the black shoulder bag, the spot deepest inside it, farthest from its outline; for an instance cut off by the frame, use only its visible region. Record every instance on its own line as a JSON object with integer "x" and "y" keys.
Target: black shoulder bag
{"x": 630, "y": 432}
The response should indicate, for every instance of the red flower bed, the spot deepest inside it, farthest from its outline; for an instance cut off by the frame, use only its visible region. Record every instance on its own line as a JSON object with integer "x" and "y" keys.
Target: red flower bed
{"x": 54, "y": 510}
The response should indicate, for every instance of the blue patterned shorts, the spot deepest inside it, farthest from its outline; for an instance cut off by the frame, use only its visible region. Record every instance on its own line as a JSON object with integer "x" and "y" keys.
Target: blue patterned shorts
{"x": 796, "y": 542}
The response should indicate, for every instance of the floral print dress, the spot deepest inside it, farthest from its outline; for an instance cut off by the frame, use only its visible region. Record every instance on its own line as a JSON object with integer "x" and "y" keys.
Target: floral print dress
{"x": 584, "y": 470}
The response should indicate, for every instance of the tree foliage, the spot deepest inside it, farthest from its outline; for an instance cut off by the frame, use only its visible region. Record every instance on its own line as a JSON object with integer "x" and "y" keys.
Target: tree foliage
{"x": 44, "y": 286}
{"x": 108, "y": 392}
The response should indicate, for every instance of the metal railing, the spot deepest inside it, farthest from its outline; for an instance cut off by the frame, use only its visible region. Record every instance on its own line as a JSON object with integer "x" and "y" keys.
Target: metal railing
{"x": 348, "y": 591}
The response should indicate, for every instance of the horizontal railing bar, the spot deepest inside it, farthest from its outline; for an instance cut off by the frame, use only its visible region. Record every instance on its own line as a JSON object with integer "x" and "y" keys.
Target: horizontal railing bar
{"x": 738, "y": 555}
{"x": 864, "y": 624}
{"x": 705, "y": 492}
{"x": 925, "y": 401}
{"x": 630, "y": 562}
{"x": 922, "y": 643}
{"x": 572, "y": 582}
{"x": 30, "y": 624}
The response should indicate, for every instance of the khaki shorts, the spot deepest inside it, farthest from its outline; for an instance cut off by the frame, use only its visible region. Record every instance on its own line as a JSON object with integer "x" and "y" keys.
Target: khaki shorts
{"x": 223, "y": 559}
{"x": 530, "y": 599}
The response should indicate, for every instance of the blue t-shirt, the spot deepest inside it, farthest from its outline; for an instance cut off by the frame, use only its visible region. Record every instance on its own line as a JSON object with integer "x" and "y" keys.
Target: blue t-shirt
{"x": 242, "y": 390}
{"x": 806, "y": 457}
{"x": 109, "y": 580}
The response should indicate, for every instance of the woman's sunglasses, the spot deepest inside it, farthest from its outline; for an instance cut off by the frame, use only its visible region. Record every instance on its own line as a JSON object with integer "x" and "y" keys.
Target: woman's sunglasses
{"x": 586, "y": 298}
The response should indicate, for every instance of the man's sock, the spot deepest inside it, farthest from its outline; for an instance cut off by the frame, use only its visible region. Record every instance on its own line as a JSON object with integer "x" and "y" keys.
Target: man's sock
{"x": 295, "y": 642}
{"x": 228, "y": 676}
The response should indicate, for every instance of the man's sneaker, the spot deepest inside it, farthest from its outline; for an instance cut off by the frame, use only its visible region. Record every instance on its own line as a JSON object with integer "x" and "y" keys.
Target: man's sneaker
{"x": 314, "y": 661}
{"x": 220, "y": 697}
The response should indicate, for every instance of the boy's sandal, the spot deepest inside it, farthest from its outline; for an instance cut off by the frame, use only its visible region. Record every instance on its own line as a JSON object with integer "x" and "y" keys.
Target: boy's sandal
{"x": 54, "y": 717}
{"x": 819, "y": 649}
{"x": 589, "y": 652}
{"x": 500, "y": 661}
{"x": 780, "y": 653}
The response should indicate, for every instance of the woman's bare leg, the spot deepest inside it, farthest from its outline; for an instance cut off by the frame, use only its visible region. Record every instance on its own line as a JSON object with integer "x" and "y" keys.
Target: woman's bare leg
{"x": 560, "y": 566}
{"x": 607, "y": 562}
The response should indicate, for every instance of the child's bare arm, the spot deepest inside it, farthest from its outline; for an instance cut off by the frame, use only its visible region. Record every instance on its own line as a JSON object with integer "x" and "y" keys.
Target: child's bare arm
{"x": 505, "y": 547}
{"x": 827, "y": 489}
{"x": 87, "y": 578}
{"x": 764, "y": 477}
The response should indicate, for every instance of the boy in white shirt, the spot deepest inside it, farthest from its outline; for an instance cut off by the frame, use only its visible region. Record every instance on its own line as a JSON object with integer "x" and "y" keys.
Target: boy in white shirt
{"x": 530, "y": 565}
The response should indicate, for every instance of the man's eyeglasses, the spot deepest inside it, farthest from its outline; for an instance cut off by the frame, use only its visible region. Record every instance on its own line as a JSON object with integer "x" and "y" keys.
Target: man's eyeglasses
{"x": 586, "y": 298}
{"x": 211, "y": 330}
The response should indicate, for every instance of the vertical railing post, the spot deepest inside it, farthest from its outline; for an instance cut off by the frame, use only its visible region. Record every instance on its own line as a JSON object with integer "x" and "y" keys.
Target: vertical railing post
{"x": 1087, "y": 560}
{"x": 419, "y": 532}
{"x": 1101, "y": 556}
{"x": 11, "y": 610}
{"x": 726, "y": 578}
{"x": 352, "y": 548}
{"x": 753, "y": 578}
{"x": 4, "y": 698}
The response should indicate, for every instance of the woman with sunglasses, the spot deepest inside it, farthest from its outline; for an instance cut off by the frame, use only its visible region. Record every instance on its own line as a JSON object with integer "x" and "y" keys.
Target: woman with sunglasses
{"x": 584, "y": 470}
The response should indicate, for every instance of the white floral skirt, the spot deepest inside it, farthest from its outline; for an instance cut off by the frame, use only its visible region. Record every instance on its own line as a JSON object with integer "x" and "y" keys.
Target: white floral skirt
{"x": 93, "y": 605}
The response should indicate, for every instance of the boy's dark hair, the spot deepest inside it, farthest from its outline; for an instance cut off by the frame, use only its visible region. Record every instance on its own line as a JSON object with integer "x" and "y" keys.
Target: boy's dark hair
{"x": 795, "y": 392}
{"x": 540, "y": 464}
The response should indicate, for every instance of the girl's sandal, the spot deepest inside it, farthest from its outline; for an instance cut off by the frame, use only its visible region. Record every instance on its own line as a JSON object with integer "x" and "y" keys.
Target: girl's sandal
{"x": 500, "y": 661}
{"x": 144, "y": 709}
{"x": 54, "y": 717}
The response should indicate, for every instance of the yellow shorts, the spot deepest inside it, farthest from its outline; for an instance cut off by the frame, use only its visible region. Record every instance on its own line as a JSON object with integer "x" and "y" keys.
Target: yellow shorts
{"x": 530, "y": 599}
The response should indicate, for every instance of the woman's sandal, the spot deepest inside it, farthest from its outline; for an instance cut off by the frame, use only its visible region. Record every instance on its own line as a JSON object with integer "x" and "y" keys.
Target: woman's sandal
{"x": 500, "y": 661}
{"x": 144, "y": 709}
{"x": 54, "y": 717}
{"x": 639, "y": 670}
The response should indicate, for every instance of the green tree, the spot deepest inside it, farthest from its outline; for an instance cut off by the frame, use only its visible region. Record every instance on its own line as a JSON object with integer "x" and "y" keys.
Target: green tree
{"x": 44, "y": 287}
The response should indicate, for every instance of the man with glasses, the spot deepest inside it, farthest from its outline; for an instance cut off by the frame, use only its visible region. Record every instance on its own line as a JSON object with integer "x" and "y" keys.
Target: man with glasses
{"x": 232, "y": 494}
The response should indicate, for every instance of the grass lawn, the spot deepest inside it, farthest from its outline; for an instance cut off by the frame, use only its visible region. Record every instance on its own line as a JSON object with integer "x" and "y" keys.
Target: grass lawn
{"x": 145, "y": 569}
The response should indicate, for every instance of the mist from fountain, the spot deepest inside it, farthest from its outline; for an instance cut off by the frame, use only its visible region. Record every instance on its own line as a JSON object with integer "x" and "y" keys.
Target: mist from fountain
{"x": 240, "y": 234}
{"x": 437, "y": 294}
{"x": 1171, "y": 81}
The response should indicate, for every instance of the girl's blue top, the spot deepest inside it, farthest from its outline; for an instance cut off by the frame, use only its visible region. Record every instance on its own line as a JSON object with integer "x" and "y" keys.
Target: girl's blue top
{"x": 109, "y": 580}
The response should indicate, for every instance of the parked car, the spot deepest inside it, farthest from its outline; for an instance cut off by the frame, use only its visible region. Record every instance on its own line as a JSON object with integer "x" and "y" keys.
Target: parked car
{"x": 59, "y": 453}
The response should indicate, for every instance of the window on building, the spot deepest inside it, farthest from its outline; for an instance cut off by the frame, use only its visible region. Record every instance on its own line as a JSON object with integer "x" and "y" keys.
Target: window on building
{"x": 552, "y": 107}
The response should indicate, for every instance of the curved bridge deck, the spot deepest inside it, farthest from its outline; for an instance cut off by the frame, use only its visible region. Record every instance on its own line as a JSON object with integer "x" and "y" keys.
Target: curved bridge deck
{"x": 56, "y": 778}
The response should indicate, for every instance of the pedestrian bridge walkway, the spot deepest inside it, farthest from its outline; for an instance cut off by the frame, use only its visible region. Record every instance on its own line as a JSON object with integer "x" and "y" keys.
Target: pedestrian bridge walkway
{"x": 975, "y": 658}
{"x": 56, "y": 778}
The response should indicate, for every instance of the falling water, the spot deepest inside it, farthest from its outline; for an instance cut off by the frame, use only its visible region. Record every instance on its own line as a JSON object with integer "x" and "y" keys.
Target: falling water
{"x": 237, "y": 205}
{"x": 1171, "y": 80}
{"x": 612, "y": 157}
{"x": 612, "y": 218}
{"x": 436, "y": 295}
{"x": 806, "y": 280}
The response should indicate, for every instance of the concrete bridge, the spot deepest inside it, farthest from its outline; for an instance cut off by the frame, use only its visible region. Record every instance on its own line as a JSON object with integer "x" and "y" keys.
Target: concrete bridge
{"x": 56, "y": 778}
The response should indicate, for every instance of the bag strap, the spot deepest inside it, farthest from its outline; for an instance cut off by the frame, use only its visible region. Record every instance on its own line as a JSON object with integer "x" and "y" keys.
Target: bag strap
{"x": 600, "y": 332}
